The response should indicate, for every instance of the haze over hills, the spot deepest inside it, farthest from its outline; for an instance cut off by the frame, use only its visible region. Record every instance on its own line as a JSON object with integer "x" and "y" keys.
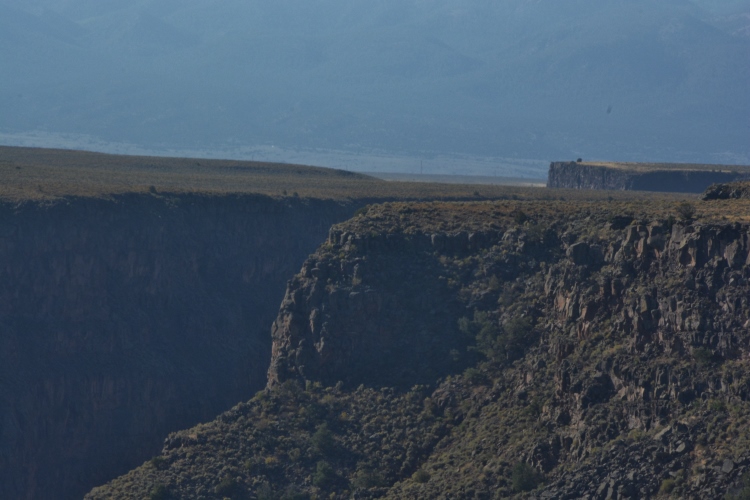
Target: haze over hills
{"x": 632, "y": 81}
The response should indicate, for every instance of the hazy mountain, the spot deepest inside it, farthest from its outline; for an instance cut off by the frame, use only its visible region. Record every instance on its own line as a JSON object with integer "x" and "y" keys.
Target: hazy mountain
{"x": 622, "y": 79}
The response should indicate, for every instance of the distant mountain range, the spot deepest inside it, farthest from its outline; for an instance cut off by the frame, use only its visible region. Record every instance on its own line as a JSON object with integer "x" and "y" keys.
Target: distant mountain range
{"x": 626, "y": 80}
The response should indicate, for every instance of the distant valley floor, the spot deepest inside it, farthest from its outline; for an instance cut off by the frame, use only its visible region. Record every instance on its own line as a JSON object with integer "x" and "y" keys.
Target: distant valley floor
{"x": 352, "y": 160}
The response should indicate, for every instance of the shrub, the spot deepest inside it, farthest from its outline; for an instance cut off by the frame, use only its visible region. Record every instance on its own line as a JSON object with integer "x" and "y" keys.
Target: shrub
{"x": 518, "y": 336}
{"x": 666, "y": 487}
{"x": 265, "y": 492}
{"x": 525, "y": 477}
{"x": 361, "y": 211}
{"x": 704, "y": 356}
{"x": 636, "y": 435}
{"x": 685, "y": 210}
{"x": 322, "y": 440}
{"x": 474, "y": 376}
{"x": 228, "y": 487}
{"x": 324, "y": 474}
{"x": 421, "y": 476}
{"x": 292, "y": 493}
{"x": 519, "y": 217}
{"x": 289, "y": 390}
{"x": 159, "y": 492}
{"x": 502, "y": 345}
{"x": 367, "y": 478}
{"x": 494, "y": 283}
{"x": 717, "y": 405}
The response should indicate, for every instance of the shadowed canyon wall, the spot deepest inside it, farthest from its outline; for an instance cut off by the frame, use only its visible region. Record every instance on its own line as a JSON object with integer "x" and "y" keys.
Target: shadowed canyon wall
{"x": 124, "y": 319}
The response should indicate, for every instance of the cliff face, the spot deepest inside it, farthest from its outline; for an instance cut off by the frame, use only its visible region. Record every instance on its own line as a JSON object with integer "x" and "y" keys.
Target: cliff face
{"x": 124, "y": 319}
{"x": 349, "y": 320}
{"x": 573, "y": 175}
{"x": 607, "y": 357}
{"x": 634, "y": 330}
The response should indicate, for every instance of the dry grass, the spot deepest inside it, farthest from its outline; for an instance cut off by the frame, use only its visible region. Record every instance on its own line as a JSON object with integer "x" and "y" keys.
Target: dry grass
{"x": 453, "y": 217}
{"x": 48, "y": 174}
{"x": 42, "y": 174}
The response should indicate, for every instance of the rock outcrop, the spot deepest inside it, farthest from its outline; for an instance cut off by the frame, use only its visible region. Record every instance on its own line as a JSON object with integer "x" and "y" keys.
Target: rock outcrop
{"x": 632, "y": 177}
{"x": 346, "y": 320}
{"x": 122, "y": 320}
{"x": 729, "y": 191}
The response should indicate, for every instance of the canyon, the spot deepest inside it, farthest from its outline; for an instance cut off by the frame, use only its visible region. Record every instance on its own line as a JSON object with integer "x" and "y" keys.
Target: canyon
{"x": 535, "y": 349}
{"x": 244, "y": 341}
{"x": 137, "y": 296}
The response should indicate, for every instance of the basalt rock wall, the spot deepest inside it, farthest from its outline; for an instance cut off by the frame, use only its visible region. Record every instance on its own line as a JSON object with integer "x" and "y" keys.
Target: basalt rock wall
{"x": 573, "y": 175}
{"x": 124, "y": 319}
{"x": 637, "y": 365}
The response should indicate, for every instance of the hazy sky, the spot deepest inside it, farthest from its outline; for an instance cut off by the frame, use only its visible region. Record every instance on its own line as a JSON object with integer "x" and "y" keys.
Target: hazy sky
{"x": 540, "y": 79}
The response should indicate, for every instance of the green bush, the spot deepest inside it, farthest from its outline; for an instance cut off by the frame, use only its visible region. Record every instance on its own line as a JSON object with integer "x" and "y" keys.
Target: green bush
{"x": 475, "y": 377}
{"x": 228, "y": 487}
{"x": 685, "y": 210}
{"x": 525, "y": 477}
{"x": 498, "y": 344}
{"x": 518, "y": 336}
{"x": 704, "y": 356}
{"x": 265, "y": 492}
{"x": 292, "y": 493}
{"x": 159, "y": 492}
{"x": 717, "y": 405}
{"x": 519, "y": 217}
{"x": 361, "y": 211}
{"x": 421, "y": 476}
{"x": 367, "y": 478}
{"x": 666, "y": 487}
{"x": 324, "y": 475}
{"x": 322, "y": 440}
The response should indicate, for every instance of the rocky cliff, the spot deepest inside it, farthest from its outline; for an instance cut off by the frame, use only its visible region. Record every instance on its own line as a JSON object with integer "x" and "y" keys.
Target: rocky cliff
{"x": 545, "y": 350}
{"x": 635, "y": 177}
{"x": 126, "y": 318}
{"x": 732, "y": 190}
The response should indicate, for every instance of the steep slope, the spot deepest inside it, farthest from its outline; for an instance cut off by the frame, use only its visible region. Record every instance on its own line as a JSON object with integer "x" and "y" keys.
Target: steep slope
{"x": 126, "y": 318}
{"x": 543, "y": 349}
